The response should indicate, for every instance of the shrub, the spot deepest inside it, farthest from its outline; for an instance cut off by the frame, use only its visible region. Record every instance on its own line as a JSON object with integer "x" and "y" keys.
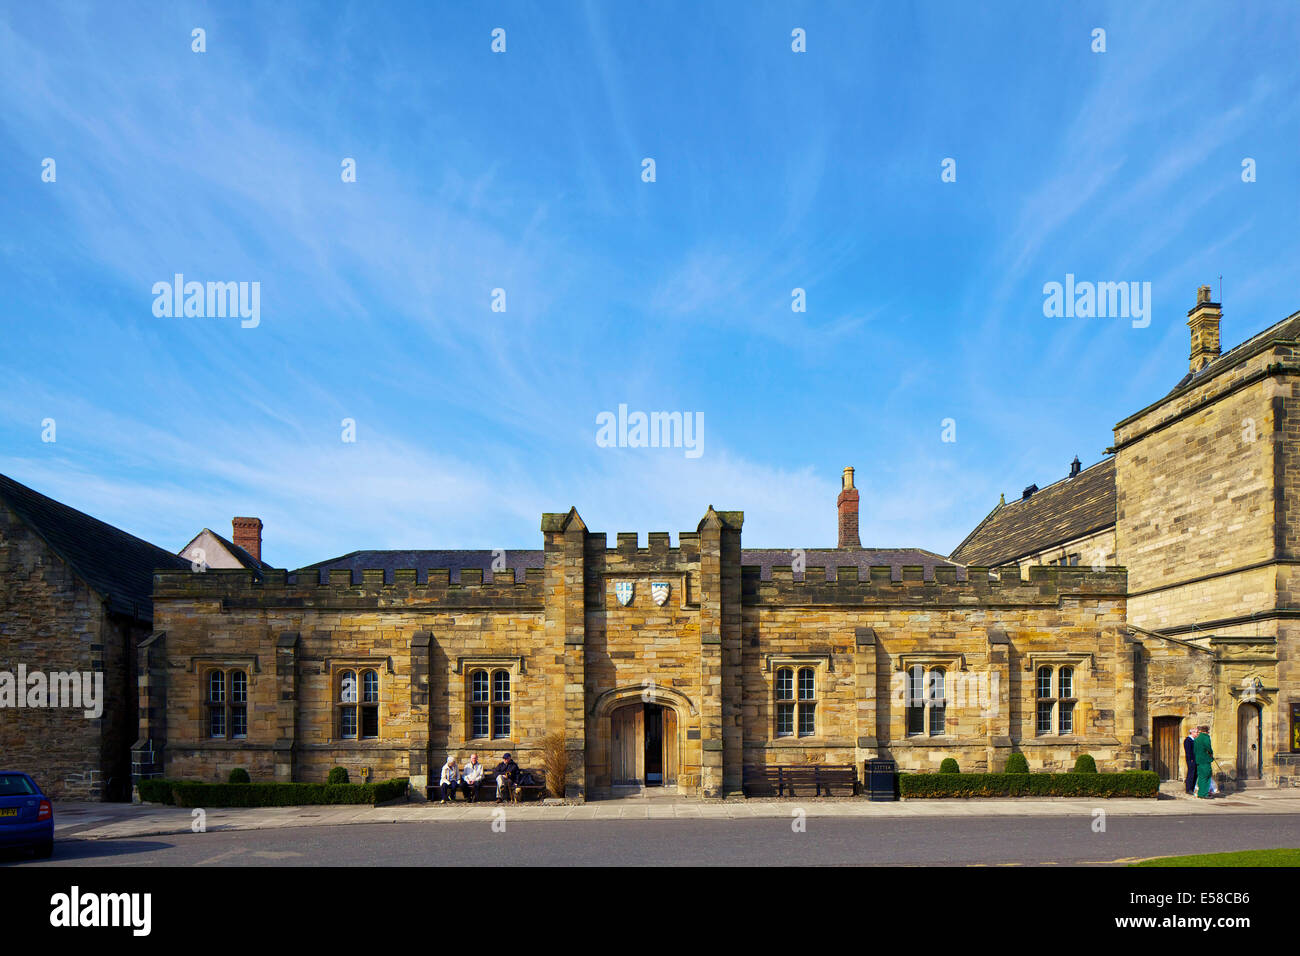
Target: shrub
{"x": 337, "y": 775}
{"x": 210, "y": 795}
{"x": 1144, "y": 783}
{"x": 1085, "y": 764}
{"x": 156, "y": 791}
{"x": 1017, "y": 763}
{"x": 555, "y": 761}
{"x": 238, "y": 775}
{"x": 948, "y": 765}
{"x": 390, "y": 790}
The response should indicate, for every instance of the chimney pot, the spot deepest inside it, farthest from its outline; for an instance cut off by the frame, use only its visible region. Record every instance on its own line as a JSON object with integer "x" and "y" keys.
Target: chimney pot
{"x": 247, "y": 534}
{"x": 848, "y": 512}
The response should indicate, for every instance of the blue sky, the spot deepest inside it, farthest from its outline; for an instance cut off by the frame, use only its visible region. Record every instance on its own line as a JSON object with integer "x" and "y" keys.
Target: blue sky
{"x": 522, "y": 171}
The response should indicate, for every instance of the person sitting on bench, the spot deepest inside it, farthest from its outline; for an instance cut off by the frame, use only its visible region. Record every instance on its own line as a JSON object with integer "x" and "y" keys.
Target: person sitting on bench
{"x": 449, "y": 780}
{"x": 472, "y": 778}
{"x": 507, "y": 776}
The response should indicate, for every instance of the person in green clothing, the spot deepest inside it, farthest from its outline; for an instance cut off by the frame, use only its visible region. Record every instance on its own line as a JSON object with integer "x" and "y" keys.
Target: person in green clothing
{"x": 1204, "y": 756}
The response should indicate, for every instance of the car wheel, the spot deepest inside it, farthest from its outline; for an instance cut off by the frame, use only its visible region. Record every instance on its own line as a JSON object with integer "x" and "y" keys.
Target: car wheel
{"x": 44, "y": 850}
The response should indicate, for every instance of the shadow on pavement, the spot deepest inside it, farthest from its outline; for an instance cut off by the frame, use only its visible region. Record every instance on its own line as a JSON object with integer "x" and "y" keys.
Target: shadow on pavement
{"x": 82, "y": 851}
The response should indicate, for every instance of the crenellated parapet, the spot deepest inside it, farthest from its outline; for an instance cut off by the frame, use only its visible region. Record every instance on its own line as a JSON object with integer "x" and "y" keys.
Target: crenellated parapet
{"x": 342, "y": 589}
{"x": 948, "y": 587}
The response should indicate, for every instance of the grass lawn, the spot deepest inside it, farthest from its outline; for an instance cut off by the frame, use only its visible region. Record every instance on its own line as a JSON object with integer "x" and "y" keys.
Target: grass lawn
{"x": 1241, "y": 858}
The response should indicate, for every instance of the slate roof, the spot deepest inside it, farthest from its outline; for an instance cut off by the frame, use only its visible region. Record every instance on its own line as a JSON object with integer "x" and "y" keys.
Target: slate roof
{"x": 862, "y": 558}
{"x": 423, "y": 561}
{"x": 1069, "y": 509}
{"x": 117, "y": 566}
{"x": 457, "y": 561}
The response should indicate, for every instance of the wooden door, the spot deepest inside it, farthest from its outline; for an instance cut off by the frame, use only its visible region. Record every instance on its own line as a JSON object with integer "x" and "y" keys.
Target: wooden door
{"x": 670, "y": 747}
{"x": 1248, "y": 742}
{"x": 626, "y": 747}
{"x": 1167, "y": 749}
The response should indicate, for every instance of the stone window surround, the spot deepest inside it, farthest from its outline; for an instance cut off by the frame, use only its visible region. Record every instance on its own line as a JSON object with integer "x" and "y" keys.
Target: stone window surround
{"x": 1056, "y": 661}
{"x": 466, "y": 666}
{"x": 226, "y": 667}
{"x": 335, "y": 666}
{"x": 772, "y": 663}
{"x": 930, "y": 662}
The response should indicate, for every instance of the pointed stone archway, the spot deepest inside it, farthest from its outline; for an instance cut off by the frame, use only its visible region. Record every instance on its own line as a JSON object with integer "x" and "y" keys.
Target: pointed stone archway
{"x": 637, "y": 737}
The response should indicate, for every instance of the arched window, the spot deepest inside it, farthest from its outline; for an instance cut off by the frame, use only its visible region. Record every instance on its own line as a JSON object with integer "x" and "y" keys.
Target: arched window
{"x": 785, "y": 702}
{"x": 936, "y": 700}
{"x": 480, "y": 704}
{"x": 500, "y": 704}
{"x": 1065, "y": 701}
{"x": 369, "y": 705}
{"x": 348, "y": 705}
{"x": 1055, "y": 700}
{"x": 227, "y": 704}
{"x": 807, "y": 702}
{"x": 489, "y": 704}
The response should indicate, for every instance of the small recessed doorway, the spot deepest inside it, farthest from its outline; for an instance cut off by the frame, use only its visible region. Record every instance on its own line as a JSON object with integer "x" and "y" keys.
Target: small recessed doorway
{"x": 1166, "y": 750}
{"x": 1249, "y": 741}
{"x": 643, "y": 745}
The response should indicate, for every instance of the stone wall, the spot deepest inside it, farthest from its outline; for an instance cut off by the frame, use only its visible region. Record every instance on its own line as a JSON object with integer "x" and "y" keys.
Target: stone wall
{"x": 709, "y": 653}
{"x": 51, "y": 621}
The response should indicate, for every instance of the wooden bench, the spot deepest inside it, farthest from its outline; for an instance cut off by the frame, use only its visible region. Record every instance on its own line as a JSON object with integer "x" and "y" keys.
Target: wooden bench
{"x": 812, "y": 779}
{"x": 531, "y": 782}
{"x": 487, "y": 790}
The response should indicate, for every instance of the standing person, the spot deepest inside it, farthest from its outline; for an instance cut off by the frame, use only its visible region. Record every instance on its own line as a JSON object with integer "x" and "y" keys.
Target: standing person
{"x": 449, "y": 780}
{"x": 1189, "y": 754}
{"x": 472, "y": 778}
{"x": 1204, "y": 758}
{"x": 507, "y": 776}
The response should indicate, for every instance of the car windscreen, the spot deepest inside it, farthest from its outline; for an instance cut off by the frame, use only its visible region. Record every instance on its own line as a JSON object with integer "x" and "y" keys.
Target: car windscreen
{"x": 15, "y": 785}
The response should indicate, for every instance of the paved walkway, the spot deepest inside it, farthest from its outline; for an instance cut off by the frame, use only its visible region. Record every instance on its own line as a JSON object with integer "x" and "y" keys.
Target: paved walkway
{"x": 105, "y": 821}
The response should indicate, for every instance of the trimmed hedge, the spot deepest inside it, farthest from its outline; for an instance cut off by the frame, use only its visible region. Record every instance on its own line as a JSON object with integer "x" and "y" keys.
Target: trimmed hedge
{"x": 337, "y": 775}
{"x": 1142, "y": 783}
{"x": 1017, "y": 763}
{"x": 949, "y": 765}
{"x": 156, "y": 791}
{"x": 238, "y": 775}
{"x": 188, "y": 794}
{"x": 1085, "y": 764}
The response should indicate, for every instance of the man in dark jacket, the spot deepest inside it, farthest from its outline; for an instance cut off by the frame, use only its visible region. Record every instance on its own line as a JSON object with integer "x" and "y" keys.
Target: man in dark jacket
{"x": 1189, "y": 754}
{"x": 507, "y": 776}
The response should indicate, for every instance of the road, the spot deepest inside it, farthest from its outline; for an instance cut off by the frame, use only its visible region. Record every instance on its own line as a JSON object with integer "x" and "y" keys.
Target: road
{"x": 694, "y": 842}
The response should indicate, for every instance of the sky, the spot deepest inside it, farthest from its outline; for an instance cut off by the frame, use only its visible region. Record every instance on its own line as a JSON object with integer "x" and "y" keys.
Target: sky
{"x": 524, "y": 171}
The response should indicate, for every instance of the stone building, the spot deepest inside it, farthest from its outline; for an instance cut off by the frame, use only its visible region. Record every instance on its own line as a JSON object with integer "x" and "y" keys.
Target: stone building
{"x": 1101, "y": 615}
{"x": 1200, "y": 503}
{"x": 74, "y": 602}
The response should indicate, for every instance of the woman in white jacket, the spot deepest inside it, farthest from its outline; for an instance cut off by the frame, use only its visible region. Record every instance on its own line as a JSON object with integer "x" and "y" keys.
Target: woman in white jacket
{"x": 449, "y": 780}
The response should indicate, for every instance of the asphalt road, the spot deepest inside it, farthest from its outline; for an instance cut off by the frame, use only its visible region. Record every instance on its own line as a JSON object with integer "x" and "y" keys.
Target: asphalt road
{"x": 758, "y": 842}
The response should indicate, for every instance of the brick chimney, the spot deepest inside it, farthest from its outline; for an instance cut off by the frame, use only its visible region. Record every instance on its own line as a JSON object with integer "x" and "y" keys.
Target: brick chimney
{"x": 1204, "y": 323}
{"x": 848, "y": 506}
{"x": 248, "y": 535}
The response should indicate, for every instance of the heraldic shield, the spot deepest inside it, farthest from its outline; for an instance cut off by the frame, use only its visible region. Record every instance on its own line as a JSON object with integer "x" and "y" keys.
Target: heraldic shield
{"x": 623, "y": 590}
{"x": 659, "y": 590}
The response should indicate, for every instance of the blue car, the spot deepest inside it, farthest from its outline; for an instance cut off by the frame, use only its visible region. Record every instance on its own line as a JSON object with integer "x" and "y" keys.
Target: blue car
{"x": 26, "y": 815}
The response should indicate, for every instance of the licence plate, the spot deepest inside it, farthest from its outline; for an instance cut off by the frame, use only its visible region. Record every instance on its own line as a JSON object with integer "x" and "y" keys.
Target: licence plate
{"x": 11, "y": 812}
